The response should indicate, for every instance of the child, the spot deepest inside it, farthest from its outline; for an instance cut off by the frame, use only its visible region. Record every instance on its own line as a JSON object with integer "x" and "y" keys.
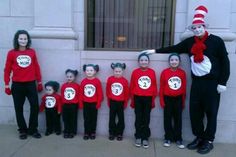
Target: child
{"x": 91, "y": 98}
{"x": 70, "y": 103}
{"x": 51, "y": 102}
{"x": 143, "y": 88}
{"x": 172, "y": 98}
{"x": 22, "y": 66}
{"x": 117, "y": 92}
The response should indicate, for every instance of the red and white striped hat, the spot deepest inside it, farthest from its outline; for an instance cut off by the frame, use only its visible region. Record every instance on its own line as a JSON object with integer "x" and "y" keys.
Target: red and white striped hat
{"x": 199, "y": 16}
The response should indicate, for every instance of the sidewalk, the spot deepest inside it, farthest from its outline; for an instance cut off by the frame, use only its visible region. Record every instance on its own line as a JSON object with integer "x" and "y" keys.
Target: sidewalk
{"x": 57, "y": 146}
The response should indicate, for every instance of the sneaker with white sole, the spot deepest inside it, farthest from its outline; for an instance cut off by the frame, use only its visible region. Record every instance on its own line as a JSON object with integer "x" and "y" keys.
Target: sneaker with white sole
{"x": 145, "y": 144}
{"x": 180, "y": 144}
{"x": 166, "y": 143}
{"x": 138, "y": 142}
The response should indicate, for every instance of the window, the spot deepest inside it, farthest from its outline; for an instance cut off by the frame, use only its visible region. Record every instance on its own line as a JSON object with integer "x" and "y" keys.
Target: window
{"x": 129, "y": 24}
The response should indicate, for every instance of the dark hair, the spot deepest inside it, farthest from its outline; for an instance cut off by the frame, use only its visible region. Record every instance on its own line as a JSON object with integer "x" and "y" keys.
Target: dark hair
{"x": 74, "y": 72}
{"x": 15, "y": 40}
{"x": 143, "y": 54}
{"x": 118, "y": 65}
{"x": 95, "y": 67}
{"x": 54, "y": 84}
{"x": 174, "y": 54}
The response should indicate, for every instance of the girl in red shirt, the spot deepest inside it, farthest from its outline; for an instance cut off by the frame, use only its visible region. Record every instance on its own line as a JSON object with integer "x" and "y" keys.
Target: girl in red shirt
{"x": 143, "y": 87}
{"x": 172, "y": 98}
{"x": 51, "y": 102}
{"x": 23, "y": 68}
{"x": 117, "y": 92}
{"x": 70, "y": 103}
{"x": 91, "y": 98}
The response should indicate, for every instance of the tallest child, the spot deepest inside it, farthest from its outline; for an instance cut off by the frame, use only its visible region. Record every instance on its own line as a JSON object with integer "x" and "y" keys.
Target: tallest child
{"x": 210, "y": 73}
{"x": 26, "y": 81}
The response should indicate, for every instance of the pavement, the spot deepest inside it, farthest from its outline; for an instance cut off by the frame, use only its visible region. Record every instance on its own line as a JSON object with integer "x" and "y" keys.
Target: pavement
{"x": 57, "y": 146}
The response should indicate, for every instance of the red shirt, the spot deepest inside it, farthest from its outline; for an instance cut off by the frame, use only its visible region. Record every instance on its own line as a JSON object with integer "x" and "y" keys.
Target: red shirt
{"x": 117, "y": 89}
{"x": 143, "y": 83}
{"x": 23, "y": 65}
{"x": 51, "y": 101}
{"x": 91, "y": 91}
{"x": 172, "y": 83}
{"x": 70, "y": 93}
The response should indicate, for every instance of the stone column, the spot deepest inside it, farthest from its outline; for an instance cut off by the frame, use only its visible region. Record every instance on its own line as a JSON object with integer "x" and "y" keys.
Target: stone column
{"x": 218, "y": 18}
{"x": 53, "y": 19}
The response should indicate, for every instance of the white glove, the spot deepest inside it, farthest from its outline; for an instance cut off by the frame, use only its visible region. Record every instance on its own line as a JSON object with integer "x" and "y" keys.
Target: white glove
{"x": 149, "y": 52}
{"x": 221, "y": 88}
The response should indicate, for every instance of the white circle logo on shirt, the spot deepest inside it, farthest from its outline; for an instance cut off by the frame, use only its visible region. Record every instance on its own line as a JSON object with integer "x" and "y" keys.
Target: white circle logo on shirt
{"x": 50, "y": 102}
{"x": 144, "y": 82}
{"x": 23, "y": 61}
{"x": 116, "y": 89}
{"x": 69, "y": 93}
{"x": 89, "y": 90}
{"x": 174, "y": 83}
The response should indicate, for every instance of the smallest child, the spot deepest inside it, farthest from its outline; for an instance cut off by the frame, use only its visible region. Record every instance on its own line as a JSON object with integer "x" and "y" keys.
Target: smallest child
{"x": 172, "y": 98}
{"x": 51, "y": 102}
{"x": 117, "y": 91}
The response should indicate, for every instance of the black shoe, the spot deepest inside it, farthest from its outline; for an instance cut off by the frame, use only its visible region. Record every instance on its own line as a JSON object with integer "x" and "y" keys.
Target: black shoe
{"x": 86, "y": 137}
{"x": 205, "y": 148}
{"x": 196, "y": 143}
{"x": 111, "y": 137}
{"x": 58, "y": 133}
{"x": 66, "y": 135}
{"x": 36, "y": 135}
{"x": 92, "y": 136}
{"x": 119, "y": 138}
{"x": 47, "y": 133}
{"x": 71, "y": 135}
{"x": 22, "y": 136}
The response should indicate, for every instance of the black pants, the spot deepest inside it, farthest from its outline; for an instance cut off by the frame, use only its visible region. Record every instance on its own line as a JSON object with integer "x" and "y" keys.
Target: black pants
{"x": 69, "y": 114}
{"x": 20, "y": 91}
{"x": 204, "y": 100}
{"x": 116, "y": 111}
{"x": 90, "y": 118}
{"x": 173, "y": 113}
{"x": 142, "y": 116}
{"x": 53, "y": 122}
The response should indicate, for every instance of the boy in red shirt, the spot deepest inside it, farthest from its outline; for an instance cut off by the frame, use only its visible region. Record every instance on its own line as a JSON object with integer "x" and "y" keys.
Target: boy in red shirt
{"x": 70, "y": 103}
{"x": 91, "y": 98}
{"x": 172, "y": 98}
{"x": 51, "y": 102}
{"x": 143, "y": 88}
{"x": 117, "y": 91}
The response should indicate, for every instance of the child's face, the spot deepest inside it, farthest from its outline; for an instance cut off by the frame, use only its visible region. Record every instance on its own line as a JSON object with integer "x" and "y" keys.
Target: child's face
{"x": 90, "y": 71}
{"x": 23, "y": 40}
{"x": 118, "y": 72}
{"x": 49, "y": 90}
{"x": 174, "y": 61}
{"x": 70, "y": 77}
{"x": 143, "y": 62}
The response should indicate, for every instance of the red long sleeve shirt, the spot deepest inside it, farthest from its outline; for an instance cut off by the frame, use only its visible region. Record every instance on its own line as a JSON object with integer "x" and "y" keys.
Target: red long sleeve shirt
{"x": 143, "y": 83}
{"x": 70, "y": 93}
{"x": 117, "y": 89}
{"x": 51, "y": 101}
{"x": 24, "y": 66}
{"x": 172, "y": 83}
{"x": 91, "y": 91}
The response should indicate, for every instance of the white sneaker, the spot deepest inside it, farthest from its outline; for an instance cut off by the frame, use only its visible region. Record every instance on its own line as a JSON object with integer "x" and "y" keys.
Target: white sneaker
{"x": 166, "y": 143}
{"x": 145, "y": 144}
{"x": 138, "y": 142}
{"x": 180, "y": 144}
